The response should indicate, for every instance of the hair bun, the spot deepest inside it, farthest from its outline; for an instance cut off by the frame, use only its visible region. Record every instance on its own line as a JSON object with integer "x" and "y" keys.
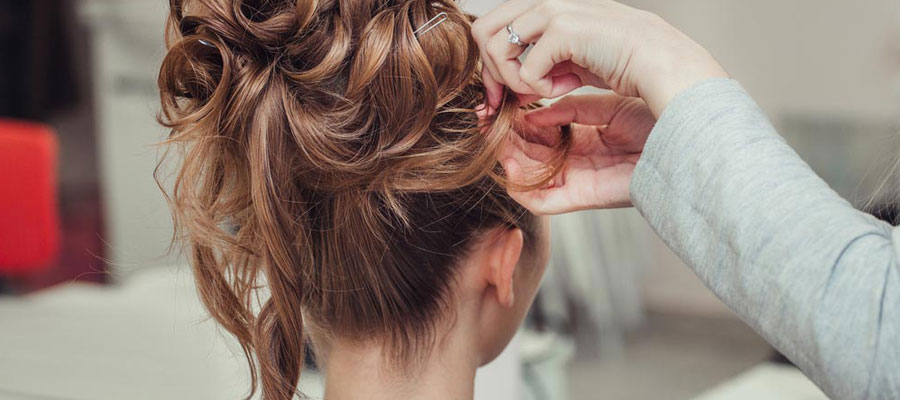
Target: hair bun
{"x": 359, "y": 100}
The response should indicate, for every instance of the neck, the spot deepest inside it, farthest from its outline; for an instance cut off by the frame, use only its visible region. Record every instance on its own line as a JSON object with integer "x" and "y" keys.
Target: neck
{"x": 355, "y": 371}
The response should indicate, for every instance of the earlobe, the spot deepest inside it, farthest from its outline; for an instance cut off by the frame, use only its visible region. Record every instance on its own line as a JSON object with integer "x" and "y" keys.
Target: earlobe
{"x": 506, "y": 251}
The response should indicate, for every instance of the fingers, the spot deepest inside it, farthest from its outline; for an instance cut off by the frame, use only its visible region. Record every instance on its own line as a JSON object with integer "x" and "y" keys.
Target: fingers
{"x": 490, "y": 77}
{"x": 549, "y": 136}
{"x": 596, "y": 109}
{"x": 504, "y": 56}
{"x": 563, "y": 84}
{"x": 488, "y": 26}
{"x": 525, "y": 163}
{"x": 539, "y": 150}
{"x": 494, "y": 90}
{"x": 572, "y": 190}
{"x": 560, "y": 80}
{"x": 601, "y": 124}
{"x": 535, "y": 70}
{"x": 599, "y": 178}
{"x": 529, "y": 27}
{"x": 516, "y": 176}
{"x": 586, "y": 77}
{"x": 522, "y": 171}
{"x": 541, "y": 201}
{"x": 501, "y": 58}
{"x": 544, "y": 202}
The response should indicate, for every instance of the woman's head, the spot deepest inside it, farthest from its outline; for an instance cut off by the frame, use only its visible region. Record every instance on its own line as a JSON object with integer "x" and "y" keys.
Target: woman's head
{"x": 334, "y": 158}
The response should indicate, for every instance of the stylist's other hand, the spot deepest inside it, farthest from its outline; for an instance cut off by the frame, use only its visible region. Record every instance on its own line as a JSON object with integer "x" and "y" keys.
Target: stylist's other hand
{"x": 608, "y": 136}
{"x": 588, "y": 42}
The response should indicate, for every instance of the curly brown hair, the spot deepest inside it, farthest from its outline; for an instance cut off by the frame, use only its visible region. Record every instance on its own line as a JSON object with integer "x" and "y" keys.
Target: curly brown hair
{"x": 333, "y": 158}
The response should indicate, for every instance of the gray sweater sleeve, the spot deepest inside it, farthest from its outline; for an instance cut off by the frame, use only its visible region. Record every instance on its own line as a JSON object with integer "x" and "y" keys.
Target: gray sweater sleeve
{"x": 817, "y": 278}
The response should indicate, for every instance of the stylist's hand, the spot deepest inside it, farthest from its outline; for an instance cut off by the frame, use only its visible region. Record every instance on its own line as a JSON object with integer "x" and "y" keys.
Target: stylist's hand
{"x": 608, "y": 136}
{"x": 588, "y": 42}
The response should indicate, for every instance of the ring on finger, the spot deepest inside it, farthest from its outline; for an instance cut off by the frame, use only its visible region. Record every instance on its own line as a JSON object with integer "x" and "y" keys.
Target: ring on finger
{"x": 514, "y": 37}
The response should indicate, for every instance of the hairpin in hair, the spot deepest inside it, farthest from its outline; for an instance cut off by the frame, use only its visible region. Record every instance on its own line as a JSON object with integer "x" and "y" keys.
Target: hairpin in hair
{"x": 431, "y": 24}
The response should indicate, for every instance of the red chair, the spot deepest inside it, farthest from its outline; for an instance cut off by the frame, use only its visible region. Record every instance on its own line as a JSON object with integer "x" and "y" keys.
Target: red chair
{"x": 29, "y": 220}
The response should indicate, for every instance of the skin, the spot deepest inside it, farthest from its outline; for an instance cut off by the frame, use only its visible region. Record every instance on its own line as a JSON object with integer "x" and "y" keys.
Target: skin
{"x": 637, "y": 55}
{"x": 497, "y": 284}
{"x": 608, "y": 135}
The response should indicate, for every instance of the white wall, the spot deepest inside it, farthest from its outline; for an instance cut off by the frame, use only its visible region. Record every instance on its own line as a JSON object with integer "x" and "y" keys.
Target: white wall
{"x": 819, "y": 56}
{"x": 127, "y": 51}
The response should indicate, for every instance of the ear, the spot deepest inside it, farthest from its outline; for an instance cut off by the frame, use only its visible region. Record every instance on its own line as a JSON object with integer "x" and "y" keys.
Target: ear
{"x": 504, "y": 250}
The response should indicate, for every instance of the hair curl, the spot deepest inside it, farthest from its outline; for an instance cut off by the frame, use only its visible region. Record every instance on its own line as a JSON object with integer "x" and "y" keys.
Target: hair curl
{"x": 330, "y": 155}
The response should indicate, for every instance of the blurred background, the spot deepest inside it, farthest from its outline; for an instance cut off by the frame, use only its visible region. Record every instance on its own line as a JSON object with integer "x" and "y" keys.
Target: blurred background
{"x": 93, "y": 306}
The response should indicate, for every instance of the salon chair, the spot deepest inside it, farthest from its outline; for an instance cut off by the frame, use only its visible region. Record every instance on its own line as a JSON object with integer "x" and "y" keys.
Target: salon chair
{"x": 29, "y": 221}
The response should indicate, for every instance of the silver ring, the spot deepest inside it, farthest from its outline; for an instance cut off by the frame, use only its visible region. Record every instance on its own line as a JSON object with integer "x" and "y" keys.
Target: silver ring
{"x": 513, "y": 37}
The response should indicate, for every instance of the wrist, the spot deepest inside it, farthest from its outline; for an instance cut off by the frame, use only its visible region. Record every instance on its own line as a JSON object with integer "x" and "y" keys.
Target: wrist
{"x": 674, "y": 70}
